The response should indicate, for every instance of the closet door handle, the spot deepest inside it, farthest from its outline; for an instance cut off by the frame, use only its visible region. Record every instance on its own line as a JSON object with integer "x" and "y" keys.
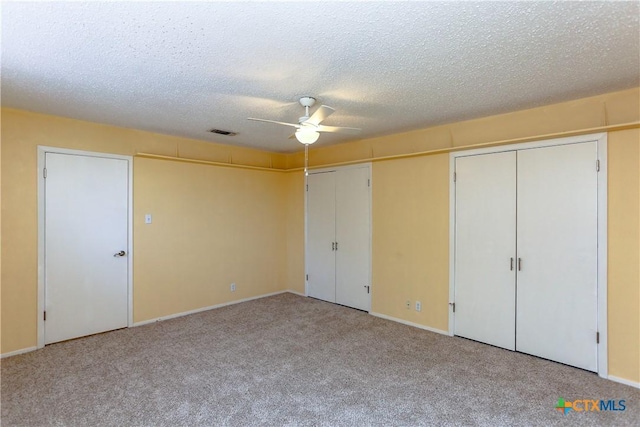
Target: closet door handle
{"x": 519, "y": 264}
{"x": 511, "y": 264}
{"x": 333, "y": 246}
{"x": 336, "y": 246}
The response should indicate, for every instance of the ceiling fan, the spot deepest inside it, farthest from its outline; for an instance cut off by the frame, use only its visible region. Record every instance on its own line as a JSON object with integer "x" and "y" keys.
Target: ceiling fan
{"x": 308, "y": 127}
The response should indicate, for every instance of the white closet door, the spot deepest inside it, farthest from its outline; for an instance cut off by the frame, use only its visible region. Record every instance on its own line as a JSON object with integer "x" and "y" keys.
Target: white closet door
{"x": 557, "y": 242}
{"x": 484, "y": 247}
{"x": 86, "y": 223}
{"x": 321, "y": 230}
{"x": 353, "y": 238}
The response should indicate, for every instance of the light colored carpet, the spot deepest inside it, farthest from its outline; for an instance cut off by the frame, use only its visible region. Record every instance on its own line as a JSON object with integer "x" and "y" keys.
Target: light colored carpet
{"x": 289, "y": 360}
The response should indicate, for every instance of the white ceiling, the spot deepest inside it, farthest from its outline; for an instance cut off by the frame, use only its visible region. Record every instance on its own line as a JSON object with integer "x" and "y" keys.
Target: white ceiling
{"x": 183, "y": 68}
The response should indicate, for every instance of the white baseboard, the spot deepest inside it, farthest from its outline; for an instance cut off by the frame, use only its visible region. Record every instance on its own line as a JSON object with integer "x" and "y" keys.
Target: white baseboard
{"x": 15, "y": 353}
{"x": 211, "y": 307}
{"x": 296, "y": 292}
{"x": 172, "y": 316}
{"x": 623, "y": 381}
{"x": 380, "y": 315}
{"x": 406, "y": 322}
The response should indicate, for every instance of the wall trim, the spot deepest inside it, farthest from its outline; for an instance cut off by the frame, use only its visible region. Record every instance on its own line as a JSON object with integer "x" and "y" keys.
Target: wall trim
{"x": 624, "y": 381}
{"x": 488, "y": 144}
{"x": 42, "y": 151}
{"x": 186, "y": 313}
{"x": 379, "y": 315}
{"x": 608, "y": 128}
{"x": 211, "y": 307}
{"x": 291, "y": 291}
{"x": 406, "y": 322}
{"x": 207, "y": 162}
{"x": 17, "y": 352}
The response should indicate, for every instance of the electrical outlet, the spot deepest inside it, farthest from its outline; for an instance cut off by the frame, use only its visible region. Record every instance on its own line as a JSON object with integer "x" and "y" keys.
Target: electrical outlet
{"x": 418, "y": 306}
{"x": 408, "y": 305}
{"x": 233, "y": 287}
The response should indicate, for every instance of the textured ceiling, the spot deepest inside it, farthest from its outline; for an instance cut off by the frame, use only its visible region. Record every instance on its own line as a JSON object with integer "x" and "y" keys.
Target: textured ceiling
{"x": 183, "y": 68}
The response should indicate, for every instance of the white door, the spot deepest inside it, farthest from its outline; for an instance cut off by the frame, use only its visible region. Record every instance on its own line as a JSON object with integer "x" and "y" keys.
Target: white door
{"x": 557, "y": 246}
{"x": 485, "y": 248}
{"x": 353, "y": 238}
{"x": 86, "y": 224}
{"x": 321, "y": 231}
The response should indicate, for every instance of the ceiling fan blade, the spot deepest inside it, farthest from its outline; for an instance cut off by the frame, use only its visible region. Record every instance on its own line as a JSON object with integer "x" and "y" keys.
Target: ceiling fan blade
{"x": 338, "y": 129}
{"x": 274, "y": 121}
{"x": 320, "y": 114}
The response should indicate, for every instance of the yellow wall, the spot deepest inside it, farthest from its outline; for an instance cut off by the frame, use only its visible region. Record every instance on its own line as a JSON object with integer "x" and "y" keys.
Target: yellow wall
{"x": 295, "y": 231}
{"x": 410, "y": 204}
{"x": 410, "y": 214}
{"x": 158, "y": 184}
{"x": 0, "y": 235}
{"x": 624, "y": 254}
{"x": 212, "y": 226}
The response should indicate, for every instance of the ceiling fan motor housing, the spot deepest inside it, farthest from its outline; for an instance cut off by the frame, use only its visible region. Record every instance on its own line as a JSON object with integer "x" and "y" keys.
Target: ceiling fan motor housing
{"x": 307, "y": 101}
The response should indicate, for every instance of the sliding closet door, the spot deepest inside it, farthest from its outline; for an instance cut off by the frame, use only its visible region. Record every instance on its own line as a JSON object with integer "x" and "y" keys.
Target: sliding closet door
{"x": 352, "y": 237}
{"x": 485, "y": 248}
{"x": 557, "y": 245}
{"x": 321, "y": 231}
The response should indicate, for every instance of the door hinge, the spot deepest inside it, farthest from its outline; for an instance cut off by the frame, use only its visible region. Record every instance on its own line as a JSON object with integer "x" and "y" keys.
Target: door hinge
{"x": 307, "y": 187}
{"x": 453, "y": 304}
{"x": 45, "y": 315}
{"x": 455, "y": 176}
{"x": 44, "y": 173}
{"x": 307, "y": 277}
{"x": 368, "y": 183}
{"x": 597, "y": 165}
{"x": 597, "y": 337}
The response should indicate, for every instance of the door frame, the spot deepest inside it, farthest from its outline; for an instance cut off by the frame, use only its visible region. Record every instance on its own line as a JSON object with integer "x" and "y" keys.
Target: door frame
{"x": 601, "y": 139}
{"x": 42, "y": 151}
{"x": 366, "y": 165}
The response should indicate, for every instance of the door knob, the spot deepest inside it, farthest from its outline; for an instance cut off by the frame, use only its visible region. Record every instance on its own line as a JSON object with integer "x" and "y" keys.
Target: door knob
{"x": 121, "y": 253}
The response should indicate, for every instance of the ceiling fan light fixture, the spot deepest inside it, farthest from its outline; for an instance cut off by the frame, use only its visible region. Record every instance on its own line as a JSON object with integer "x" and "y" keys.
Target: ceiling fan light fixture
{"x": 307, "y": 136}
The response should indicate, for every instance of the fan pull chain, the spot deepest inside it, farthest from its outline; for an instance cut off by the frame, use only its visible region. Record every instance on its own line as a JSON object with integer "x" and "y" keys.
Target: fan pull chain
{"x": 306, "y": 159}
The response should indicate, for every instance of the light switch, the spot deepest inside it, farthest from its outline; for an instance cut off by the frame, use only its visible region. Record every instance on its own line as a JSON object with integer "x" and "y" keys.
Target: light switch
{"x": 147, "y": 219}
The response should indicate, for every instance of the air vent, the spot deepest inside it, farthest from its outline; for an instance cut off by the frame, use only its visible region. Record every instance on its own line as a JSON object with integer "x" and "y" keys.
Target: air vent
{"x": 223, "y": 132}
